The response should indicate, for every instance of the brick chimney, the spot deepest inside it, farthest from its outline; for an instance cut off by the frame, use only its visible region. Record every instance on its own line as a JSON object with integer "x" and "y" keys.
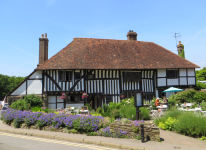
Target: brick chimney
{"x": 43, "y": 49}
{"x": 180, "y": 47}
{"x": 131, "y": 36}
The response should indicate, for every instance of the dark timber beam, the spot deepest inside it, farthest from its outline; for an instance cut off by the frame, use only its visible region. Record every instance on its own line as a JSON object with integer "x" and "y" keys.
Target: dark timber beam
{"x": 57, "y": 85}
{"x": 75, "y": 83}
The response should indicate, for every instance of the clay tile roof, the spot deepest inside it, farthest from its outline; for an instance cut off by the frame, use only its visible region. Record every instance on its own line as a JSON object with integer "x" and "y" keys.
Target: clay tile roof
{"x": 89, "y": 53}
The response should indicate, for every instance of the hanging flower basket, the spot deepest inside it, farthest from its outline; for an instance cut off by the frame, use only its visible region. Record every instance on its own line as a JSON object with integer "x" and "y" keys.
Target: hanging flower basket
{"x": 84, "y": 95}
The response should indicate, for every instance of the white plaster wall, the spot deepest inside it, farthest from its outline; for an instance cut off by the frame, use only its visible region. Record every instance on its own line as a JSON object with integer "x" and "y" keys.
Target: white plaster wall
{"x": 52, "y": 106}
{"x": 182, "y": 72}
{"x": 183, "y": 81}
{"x": 36, "y": 75}
{"x": 20, "y": 90}
{"x": 59, "y": 100}
{"x": 161, "y": 81}
{"x": 172, "y": 82}
{"x": 52, "y": 99}
{"x": 34, "y": 86}
{"x": 191, "y": 80}
{"x": 161, "y": 73}
{"x": 60, "y": 105}
{"x": 78, "y": 105}
{"x": 191, "y": 72}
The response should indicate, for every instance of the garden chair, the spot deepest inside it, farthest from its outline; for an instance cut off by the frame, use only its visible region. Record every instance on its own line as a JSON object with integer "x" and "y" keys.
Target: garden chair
{"x": 153, "y": 111}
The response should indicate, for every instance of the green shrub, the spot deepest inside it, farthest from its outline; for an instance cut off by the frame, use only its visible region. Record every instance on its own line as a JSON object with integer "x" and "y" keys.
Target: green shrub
{"x": 190, "y": 124}
{"x": 128, "y": 112}
{"x": 33, "y": 100}
{"x": 186, "y": 123}
{"x": 27, "y": 103}
{"x": 19, "y": 105}
{"x": 203, "y": 106}
{"x": 200, "y": 86}
{"x": 191, "y": 96}
{"x": 144, "y": 114}
{"x": 36, "y": 109}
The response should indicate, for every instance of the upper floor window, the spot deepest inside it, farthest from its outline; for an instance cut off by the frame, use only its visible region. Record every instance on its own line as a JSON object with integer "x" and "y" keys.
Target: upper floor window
{"x": 172, "y": 74}
{"x": 65, "y": 75}
{"x": 77, "y": 75}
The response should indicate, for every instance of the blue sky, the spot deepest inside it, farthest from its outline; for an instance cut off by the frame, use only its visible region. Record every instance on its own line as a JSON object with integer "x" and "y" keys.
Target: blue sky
{"x": 23, "y": 22}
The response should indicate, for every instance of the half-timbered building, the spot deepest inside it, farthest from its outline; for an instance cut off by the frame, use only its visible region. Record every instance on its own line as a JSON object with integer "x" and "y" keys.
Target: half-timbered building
{"x": 105, "y": 69}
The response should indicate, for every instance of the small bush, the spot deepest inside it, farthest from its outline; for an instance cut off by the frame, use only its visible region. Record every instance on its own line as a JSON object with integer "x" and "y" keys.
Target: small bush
{"x": 33, "y": 101}
{"x": 203, "y": 106}
{"x": 19, "y": 105}
{"x": 144, "y": 113}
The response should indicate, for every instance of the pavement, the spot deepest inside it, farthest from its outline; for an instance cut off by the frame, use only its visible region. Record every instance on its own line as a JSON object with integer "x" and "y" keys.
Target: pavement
{"x": 169, "y": 140}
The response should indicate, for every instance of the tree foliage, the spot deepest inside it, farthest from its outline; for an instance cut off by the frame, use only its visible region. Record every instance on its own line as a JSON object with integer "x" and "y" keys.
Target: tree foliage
{"x": 201, "y": 74}
{"x": 182, "y": 54}
{"x": 8, "y": 83}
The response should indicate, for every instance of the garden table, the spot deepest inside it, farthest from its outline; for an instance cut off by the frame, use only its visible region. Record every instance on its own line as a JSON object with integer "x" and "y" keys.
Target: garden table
{"x": 186, "y": 105}
{"x": 84, "y": 111}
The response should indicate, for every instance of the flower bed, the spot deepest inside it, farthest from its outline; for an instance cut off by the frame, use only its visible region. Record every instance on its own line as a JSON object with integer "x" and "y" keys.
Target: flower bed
{"x": 81, "y": 123}
{"x": 91, "y": 125}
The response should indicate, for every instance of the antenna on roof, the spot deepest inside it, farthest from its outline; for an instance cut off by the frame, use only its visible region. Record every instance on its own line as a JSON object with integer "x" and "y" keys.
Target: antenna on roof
{"x": 176, "y": 35}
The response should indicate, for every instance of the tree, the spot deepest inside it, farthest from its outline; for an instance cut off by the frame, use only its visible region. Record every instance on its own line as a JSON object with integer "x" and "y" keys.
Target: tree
{"x": 201, "y": 74}
{"x": 7, "y": 84}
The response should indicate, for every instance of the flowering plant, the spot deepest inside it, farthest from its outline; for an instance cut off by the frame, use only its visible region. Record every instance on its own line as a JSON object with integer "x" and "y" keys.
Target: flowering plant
{"x": 84, "y": 95}
{"x": 64, "y": 96}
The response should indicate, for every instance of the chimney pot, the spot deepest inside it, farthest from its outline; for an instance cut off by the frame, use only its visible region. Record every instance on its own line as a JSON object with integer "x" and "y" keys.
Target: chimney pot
{"x": 42, "y": 35}
{"x": 131, "y": 36}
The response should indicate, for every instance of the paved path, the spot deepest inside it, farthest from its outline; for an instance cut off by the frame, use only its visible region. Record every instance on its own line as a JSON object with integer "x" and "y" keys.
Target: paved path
{"x": 170, "y": 141}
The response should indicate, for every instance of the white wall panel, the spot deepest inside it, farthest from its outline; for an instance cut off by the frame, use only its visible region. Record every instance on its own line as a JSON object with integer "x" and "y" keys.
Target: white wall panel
{"x": 161, "y": 73}
{"x": 191, "y": 80}
{"x": 20, "y": 90}
{"x": 183, "y": 81}
{"x": 172, "y": 82}
{"x": 161, "y": 81}
{"x": 34, "y": 87}
{"x": 52, "y": 99}
{"x": 190, "y": 72}
{"x": 59, "y": 100}
{"x": 60, "y": 105}
{"x": 52, "y": 106}
{"x": 36, "y": 75}
{"x": 182, "y": 72}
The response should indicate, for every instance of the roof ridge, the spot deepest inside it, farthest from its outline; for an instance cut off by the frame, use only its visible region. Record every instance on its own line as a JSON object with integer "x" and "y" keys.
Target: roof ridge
{"x": 76, "y": 38}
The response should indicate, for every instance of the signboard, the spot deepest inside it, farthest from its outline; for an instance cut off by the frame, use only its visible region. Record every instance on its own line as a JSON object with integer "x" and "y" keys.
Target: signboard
{"x": 138, "y": 99}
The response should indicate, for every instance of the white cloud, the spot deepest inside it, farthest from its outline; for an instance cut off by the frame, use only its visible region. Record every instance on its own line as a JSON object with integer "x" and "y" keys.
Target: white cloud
{"x": 198, "y": 33}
